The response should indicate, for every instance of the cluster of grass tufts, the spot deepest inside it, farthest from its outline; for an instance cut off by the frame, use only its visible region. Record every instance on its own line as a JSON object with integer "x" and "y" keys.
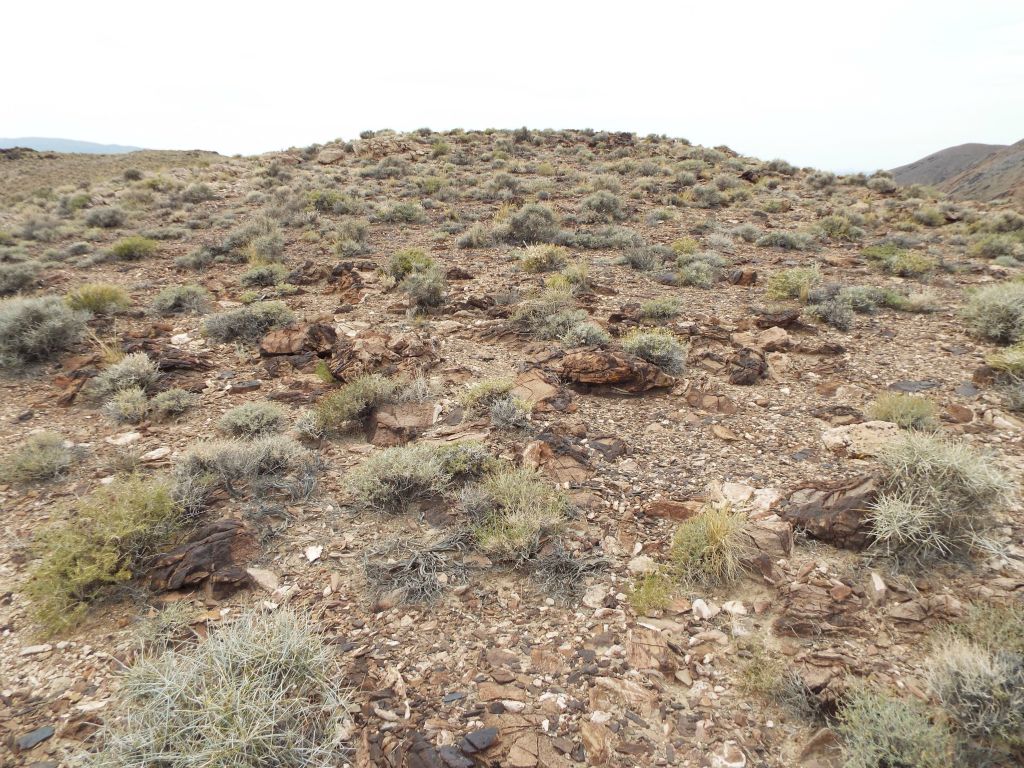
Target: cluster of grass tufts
{"x": 98, "y": 298}
{"x": 248, "y": 323}
{"x": 513, "y": 510}
{"x": 543, "y": 258}
{"x": 127, "y": 406}
{"x": 787, "y": 241}
{"x": 260, "y": 691}
{"x": 402, "y": 213}
{"x": 902, "y": 262}
{"x": 548, "y": 315}
{"x": 908, "y": 411}
{"x": 708, "y": 549}
{"x": 646, "y": 258}
{"x": 18, "y": 276}
{"x": 32, "y": 329}
{"x": 179, "y": 299}
{"x": 653, "y": 592}
{"x": 114, "y": 530}
{"x": 41, "y": 456}
{"x": 996, "y": 313}
{"x": 510, "y": 413}
{"x": 172, "y": 402}
{"x": 701, "y": 269}
{"x": 396, "y": 478}
{"x": 253, "y": 420}
{"x": 794, "y": 283}
{"x": 105, "y": 217}
{"x": 344, "y": 409}
{"x": 664, "y": 308}
{"x": 877, "y": 730}
{"x": 134, "y": 371}
{"x": 939, "y": 498}
{"x": 480, "y": 396}
{"x": 602, "y": 206}
{"x": 133, "y": 248}
{"x": 840, "y": 228}
{"x": 533, "y": 223}
{"x": 657, "y": 346}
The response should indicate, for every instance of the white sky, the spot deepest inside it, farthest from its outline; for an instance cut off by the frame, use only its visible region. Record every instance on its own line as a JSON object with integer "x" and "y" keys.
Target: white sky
{"x": 854, "y": 85}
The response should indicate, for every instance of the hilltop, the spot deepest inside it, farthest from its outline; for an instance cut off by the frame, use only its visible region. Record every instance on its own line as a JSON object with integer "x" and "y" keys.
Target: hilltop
{"x": 971, "y": 172}
{"x": 509, "y": 448}
{"x": 41, "y": 144}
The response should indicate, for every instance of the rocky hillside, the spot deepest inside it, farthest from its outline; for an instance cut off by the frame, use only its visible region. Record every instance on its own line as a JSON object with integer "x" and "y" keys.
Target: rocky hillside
{"x": 506, "y": 448}
{"x": 971, "y": 172}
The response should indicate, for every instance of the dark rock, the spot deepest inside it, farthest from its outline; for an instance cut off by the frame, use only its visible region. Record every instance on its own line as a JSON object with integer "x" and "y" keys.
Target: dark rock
{"x": 744, "y": 276}
{"x": 452, "y": 758}
{"x": 836, "y": 512}
{"x": 912, "y": 386}
{"x": 239, "y": 387}
{"x": 32, "y": 738}
{"x": 478, "y": 741}
{"x": 609, "y": 368}
{"x": 209, "y": 555}
{"x": 318, "y": 338}
{"x": 746, "y": 366}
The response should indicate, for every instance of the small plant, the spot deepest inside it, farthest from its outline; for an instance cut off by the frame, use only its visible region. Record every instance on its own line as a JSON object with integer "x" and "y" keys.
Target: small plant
{"x": 253, "y": 420}
{"x": 261, "y": 691}
{"x": 127, "y": 406}
{"x": 172, "y": 402}
{"x": 708, "y": 549}
{"x": 18, "y": 276}
{"x": 516, "y": 510}
{"x": 877, "y": 730}
{"x": 477, "y": 236}
{"x": 344, "y": 408}
{"x": 133, "y": 248}
{"x": 266, "y": 248}
{"x": 898, "y": 261}
{"x": 706, "y": 196}
{"x": 996, "y": 313}
{"x": 114, "y": 530}
{"x": 426, "y": 287}
{"x": 652, "y": 593}
{"x": 248, "y": 323}
{"x": 907, "y": 411}
{"x": 99, "y": 298}
{"x": 136, "y": 370}
{"x": 664, "y": 308}
{"x": 510, "y": 413}
{"x": 176, "y": 299}
{"x": 105, "y": 217}
{"x": 543, "y": 258}
{"x": 702, "y": 269}
{"x": 602, "y": 206}
{"x": 263, "y": 276}
{"x": 41, "y": 456}
{"x": 939, "y": 498}
{"x": 646, "y": 258}
{"x": 533, "y": 223}
{"x": 32, "y": 329}
{"x": 405, "y": 262}
{"x": 402, "y": 213}
{"x": 479, "y": 397}
{"x": 586, "y": 334}
{"x": 841, "y": 229}
{"x": 1008, "y": 362}
{"x": 549, "y": 315}
{"x": 836, "y": 311}
{"x": 787, "y": 241}
{"x": 659, "y": 347}
{"x": 794, "y": 283}
{"x": 396, "y": 478}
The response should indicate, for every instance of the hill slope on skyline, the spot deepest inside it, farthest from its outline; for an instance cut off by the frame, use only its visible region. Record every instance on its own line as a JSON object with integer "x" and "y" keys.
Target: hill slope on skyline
{"x": 971, "y": 171}
{"x": 46, "y": 144}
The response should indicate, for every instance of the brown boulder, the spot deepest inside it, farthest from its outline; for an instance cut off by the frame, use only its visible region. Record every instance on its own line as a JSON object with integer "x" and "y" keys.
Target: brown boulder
{"x": 397, "y": 424}
{"x": 210, "y": 556}
{"x": 836, "y": 513}
{"x": 317, "y": 338}
{"x": 609, "y": 368}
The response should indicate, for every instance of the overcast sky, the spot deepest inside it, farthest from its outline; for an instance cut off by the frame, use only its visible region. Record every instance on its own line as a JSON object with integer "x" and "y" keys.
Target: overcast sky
{"x": 844, "y": 86}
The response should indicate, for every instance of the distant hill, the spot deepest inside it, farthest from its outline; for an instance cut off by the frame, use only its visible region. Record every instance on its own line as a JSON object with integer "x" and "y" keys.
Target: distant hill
{"x": 66, "y": 145}
{"x": 971, "y": 172}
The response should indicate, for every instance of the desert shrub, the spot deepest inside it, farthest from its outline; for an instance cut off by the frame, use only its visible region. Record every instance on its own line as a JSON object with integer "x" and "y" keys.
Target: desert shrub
{"x": 341, "y": 409}
{"x": 646, "y": 258}
{"x": 780, "y": 167}
{"x": 894, "y": 260}
{"x": 877, "y": 730}
{"x": 197, "y": 192}
{"x": 907, "y": 411}
{"x": 114, "y": 530}
{"x": 127, "y": 406}
{"x": 18, "y": 276}
{"x": 172, "y": 402}
{"x": 585, "y": 334}
{"x": 996, "y": 313}
{"x": 548, "y": 315}
{"x": 708, "y": 549}
{"x": 653, "y": 592}
{"x": 480, "y": 395}
{"x": 40, "y": 456}
{"x": 533, "y": 223}
{"x": 664, "y": 308}
{"x": 516, "y": 510}
{"x": 263, "y": 276}
{"x": 396, "y": 478}
{"x": 793, "y": 283}
{"x": 98, "y": 298}
{"x": 701, "y": 270}
{"x": 840, "y": 228}
{"x": 610, "y": 237}
{"x": 477, "y": 236}
{"x": 133, "y": 248}
{"x": 929, "y": 217}
{"x": 602, "y": 206}
{"x": 266, "y": 249}
{"x": 577, "y": 275}
{"x": 239, "y": 237}
{"x": 706, "y": 196}
{"x": 253, "y": 420}
{"x": 34, "y": 328}
{"x": 748, "y": 233}
{"x": 132, "y": 174}
{"x": 982, "y": 689}
{"x": 352, "y": 237}
{"x": 992, "y": 626}
{"x": 180, "y": 299}
{"x": 542, "y": 258}
{"x": 402, "y": 213}
{"x": 106, "y": 217}
{"x": 332, "y": 201}
{"x": 938, "y": 498}
{"x": 262, "y": 690}
{"x": 882, "y": 185}
{"x": 836, "y": 311}
{"x": 406, "y": 261}
{"x": 248, "y": 323}
{"x": 1009, "y": 362}
{"x": 787, "y": 241}
{"x": 427, "y": 287}
{"x": 821, "y": 180}
{"x": 510, "y": 413}
{"x": 659, "y": 347}
{"x": 992, "y": 246}
{"x": 131, "y": 371}
{"x": 264, "y": 464}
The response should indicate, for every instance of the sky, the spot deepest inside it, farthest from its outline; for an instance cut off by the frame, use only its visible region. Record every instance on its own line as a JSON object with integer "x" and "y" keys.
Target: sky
{"x": 842, "y": 86}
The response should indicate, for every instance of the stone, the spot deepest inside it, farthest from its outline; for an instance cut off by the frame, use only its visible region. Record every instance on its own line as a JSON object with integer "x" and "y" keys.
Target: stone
{"x": 724, "y": 433}
{"x": 773, "y": 339}
{"x": 268, "y": 580}
{"x": 729, "y": 755}
{"x": 331, "y": 155}
{"x": 562, "y": 467}
{"x": 536, "y": 387}
{"x": 488, "y": 691}
{"x": 479, "y": 740}
{"x": 704, "y": 610}
{"x": 34, "y": 650}
{"x": 700, "y": 398}
{"x": 648, "y": 649}
{"x": 860, "y": 440}
{"x": 32, "y": 738}
{"x": 318, "y": 338}
{"x": 642, "y": 564}
{"x": 209, "y": 555}
{"x": 673, "y": 510}
{"x": 595, "y": 596}
{"x": 397, "y": 424}
{"x": 155, "y": 455}
{"x": 126, "y": 438}
{"x": 736, "y": 493}
{"x": 876, "y": 590}
{"x": 743, "y": 276}
{"x": 597, "y": 741}
{"x": 609, "y": 368}
{"x": 959, "y": 414}
{"x": 836, "y": 512}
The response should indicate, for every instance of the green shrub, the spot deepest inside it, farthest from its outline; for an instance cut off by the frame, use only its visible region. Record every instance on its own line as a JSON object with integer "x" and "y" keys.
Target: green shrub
{"x": 263, "y": 276}
{"x": 549, "y": 315}
{"x": 602, "y": 206}
{"x": 477, "y": 236}
{"x": 882, "y": 184}
{"x": 907, "y": 411}
{"x": 353, "y": 236}
{"x": 405, "y": 262}
{"x": 127, "y": 406}
{"x": 585, "y": 334}
{"x": 248, "y": 323}
{"x": 402, "y": 213}
{"x": 659, "y": 347}
{"x": 427, "y": 287}
{"x": 263, "y": 690}
{"x": 992, "y": 246}
{"x": 172, "y": 402}
{"x": 266, "y": 248}
{"x": 646, "y": 258}
{"x": 33, "y": 329}
{"x": 510, "y": 413}
{"x": 40, "y": 456}
{"x": 99, "y": 298}
{"x": 114, "y": 531}
{"x": 132, "y": 371}
{"x": 197, "y": 192}
{"x": 133, "y": 248}
{"x": 181, "y": 299}
{"x": 652, "y": 593}
{"x": 332, "y": 201}
{"x": 664, "y": 308}
{"x": 239, "y": 237}
{"x": 516, "y": 510}
{"x": 794, "y": 283}
{"x": 938, "y": 498}
{"x": 345, "y": 407}
{"x": 1008, "y": 362}
{"x": 899, "y": 261}
{"x": 543, "y": 258}
{"x": 787, "y": 241}
{"x": 996, "y": 313}
{"x": 105, "y": 217}
{"x": 877, "y": 731}
{"x": 396, "y": 478}
{"x": 701, "y": 270}
{"x": 929, "y": 217}
{"x": 708, "y": 549}
{"x": 253, "y": 420}
{"x": 608, "y": 237}
{"x": 706, "y": 196}
{"x": 18, "y": 276}
{"x": 533, "y": 223}
{"x": 479, "y": 396}
{"x": 840, "y": 228}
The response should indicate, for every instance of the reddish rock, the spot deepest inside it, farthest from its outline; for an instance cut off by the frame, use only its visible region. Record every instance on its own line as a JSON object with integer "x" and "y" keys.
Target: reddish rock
{"x": 318, "y": 338}
{"x": 673, "y": 510}
{"x": 609, "y": 368}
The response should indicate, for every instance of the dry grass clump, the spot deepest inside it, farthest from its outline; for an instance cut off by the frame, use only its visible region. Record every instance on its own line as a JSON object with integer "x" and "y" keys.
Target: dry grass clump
{"x": 396, "y": 478}
{"x": 32, "y": 329}
{"x": 793, "y": 283}
{"x": 175, "y": 299}
{"x": 343, "y": 409}
{"x": 133, "y": 248}
{"x": 533, "y": 223}
{"x": 248, "y": 323}
{"x": 514, "y": 510}
{"x": 172, "y": 402}
{"x": 787, "y": 241}
{"x": 127, "y": 406}
{"x": 253, "y": 420}
{"x": 549, "y": 315}
{"x": 134, "y": 371}
{"x": 510, "y": 413}
{"x": 664, "y": 308}
{"x": 113, "y": 532}
{"x": 416, "y": 571}
{"x": 105, "y": 217}
{"x": 18, "y": 276}
{"x": 939, "y": 498}
{"x": 708, "y": 548}
{"x": 480, "y": 395}
{"x": 653, "y": 592}
{"x": 40, "y": 456}
{"x": 98, "y": 298}
{"x": 908, "y": 411}
{"x": 261, "y": 691}
{"x": 543, "y": 258}
{"x": 899, "y": 261}
{"x": 877, "y": 730}
{"x": 996, "y": 313}
{"x": 659, "y": 347}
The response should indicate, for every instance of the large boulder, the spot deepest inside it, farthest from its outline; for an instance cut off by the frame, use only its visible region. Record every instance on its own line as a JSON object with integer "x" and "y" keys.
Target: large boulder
{"x": 610, "y": 368}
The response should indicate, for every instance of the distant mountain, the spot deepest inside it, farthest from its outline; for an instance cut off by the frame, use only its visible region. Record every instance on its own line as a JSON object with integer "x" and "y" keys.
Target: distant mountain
{"x": 66, "y": 145}
{"x": 971, "y": 172}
